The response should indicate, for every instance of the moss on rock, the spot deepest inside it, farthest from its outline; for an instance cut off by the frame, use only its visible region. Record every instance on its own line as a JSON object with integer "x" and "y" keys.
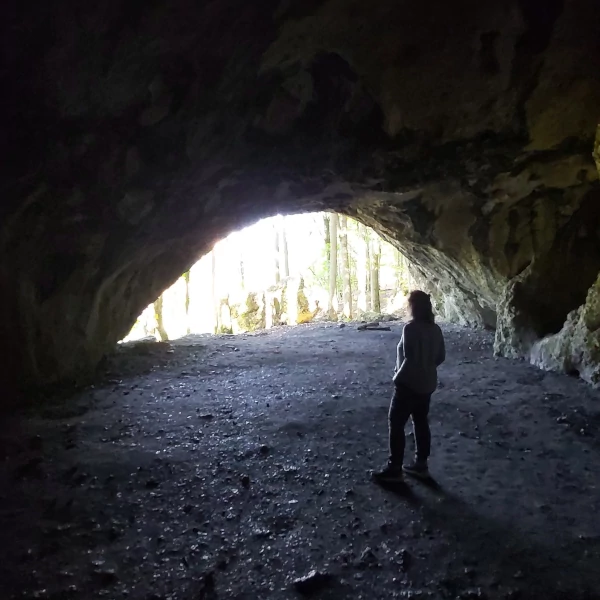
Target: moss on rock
{"x": 253, "y": 317}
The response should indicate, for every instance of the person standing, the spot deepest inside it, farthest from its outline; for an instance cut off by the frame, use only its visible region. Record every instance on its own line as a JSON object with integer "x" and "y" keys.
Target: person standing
{"x": 420, "y": 352}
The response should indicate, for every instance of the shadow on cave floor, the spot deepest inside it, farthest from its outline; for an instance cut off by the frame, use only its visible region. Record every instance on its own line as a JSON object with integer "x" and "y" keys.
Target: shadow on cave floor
{"x": 227, "y": 467}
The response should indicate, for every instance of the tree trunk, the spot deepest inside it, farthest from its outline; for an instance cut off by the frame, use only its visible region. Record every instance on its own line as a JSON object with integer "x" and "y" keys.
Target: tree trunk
{"x": 158, "y": 315}
{"x": 367, "y": 239}
{"x": 242, "y": 275}
{"x": 345, "y": 266}
{"x": 333, "y": 227}
{"x": 362, "y": 272}
{"x": 213, "y": 289}
{"x": 398, "y": 271}
{"x": 186, "y": 278}
{"x": 277, "y": 267}
{"x": 284, "y": 248}
{"x": 376, "y": 259}
{"x": 327, "y": 256}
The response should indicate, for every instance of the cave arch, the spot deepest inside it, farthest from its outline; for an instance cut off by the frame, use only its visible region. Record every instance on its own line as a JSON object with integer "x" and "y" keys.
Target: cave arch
{"x": 134, "y": 139}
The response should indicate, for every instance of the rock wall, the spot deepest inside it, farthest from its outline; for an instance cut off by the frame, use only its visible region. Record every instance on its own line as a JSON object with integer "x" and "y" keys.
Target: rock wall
{"x": 282, "y": 304}
{"x": 575, "y": 349}
{"x": 135, "y": 136}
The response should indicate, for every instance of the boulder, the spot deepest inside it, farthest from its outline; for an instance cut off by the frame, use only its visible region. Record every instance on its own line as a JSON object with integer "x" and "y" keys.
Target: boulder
{"x": 253, "y": 314}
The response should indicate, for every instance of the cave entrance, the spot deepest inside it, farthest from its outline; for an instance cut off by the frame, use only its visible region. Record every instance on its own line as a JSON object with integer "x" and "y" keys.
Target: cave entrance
{"x": 282, "y": 270}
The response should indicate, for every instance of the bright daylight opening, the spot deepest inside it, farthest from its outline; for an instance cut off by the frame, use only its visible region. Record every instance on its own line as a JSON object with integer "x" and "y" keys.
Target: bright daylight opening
{"x": 282, "y": 271}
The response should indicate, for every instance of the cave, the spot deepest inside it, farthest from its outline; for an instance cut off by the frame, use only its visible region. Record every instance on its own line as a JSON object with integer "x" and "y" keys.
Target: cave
{"x": 136, "y": 135}
{"x": 134, "y": 139}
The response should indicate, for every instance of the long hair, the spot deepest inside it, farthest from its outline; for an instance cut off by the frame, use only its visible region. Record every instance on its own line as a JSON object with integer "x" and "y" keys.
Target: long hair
{"x": 420, "y": 306}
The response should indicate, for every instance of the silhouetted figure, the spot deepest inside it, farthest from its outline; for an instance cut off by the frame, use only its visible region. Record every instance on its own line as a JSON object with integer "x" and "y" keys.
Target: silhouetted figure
{"x": 420, "y": 352}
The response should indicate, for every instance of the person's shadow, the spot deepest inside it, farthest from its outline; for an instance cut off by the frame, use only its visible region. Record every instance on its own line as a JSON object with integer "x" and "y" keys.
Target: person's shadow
{"x": 428, "y": 482}
{"x": 404, "y": 489}
{"x": 549, "y": 572}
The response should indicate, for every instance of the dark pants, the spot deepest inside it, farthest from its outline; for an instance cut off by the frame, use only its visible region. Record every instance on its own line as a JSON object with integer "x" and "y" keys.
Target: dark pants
{"x": 405, "y": 404}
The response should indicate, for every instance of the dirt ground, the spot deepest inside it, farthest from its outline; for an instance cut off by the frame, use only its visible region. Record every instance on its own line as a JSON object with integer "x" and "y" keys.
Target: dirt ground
{"x": 229, "y": 467}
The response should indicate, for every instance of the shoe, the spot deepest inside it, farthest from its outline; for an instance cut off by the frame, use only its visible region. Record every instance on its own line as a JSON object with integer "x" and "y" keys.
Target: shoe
{"x": 417, "y": 469}
{"x": 390, "y": 474}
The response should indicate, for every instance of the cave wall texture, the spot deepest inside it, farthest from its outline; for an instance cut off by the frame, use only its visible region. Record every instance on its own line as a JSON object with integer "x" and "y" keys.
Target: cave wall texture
{"x": 136, "y": 134}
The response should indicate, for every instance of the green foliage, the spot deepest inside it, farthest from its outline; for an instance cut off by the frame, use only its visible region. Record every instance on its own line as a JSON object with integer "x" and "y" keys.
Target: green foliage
{"x": 319, "y": 273}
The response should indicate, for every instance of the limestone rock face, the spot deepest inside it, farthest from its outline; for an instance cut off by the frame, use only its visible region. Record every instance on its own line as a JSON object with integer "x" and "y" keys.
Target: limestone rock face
{"x": 535, "y": 302}
{"x": 253, "y": 315}
{"x": 135, "y": 136}
{"x": 283, "y": 304}
{"x": 575, "y": 349}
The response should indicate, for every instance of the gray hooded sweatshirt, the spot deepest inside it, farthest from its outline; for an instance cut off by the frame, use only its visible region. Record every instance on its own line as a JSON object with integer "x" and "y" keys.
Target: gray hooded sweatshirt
{"x": 420, "y": 352}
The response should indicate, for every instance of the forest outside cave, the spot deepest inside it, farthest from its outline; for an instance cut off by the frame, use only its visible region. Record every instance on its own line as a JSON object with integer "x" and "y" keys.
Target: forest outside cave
{"x": 283, "y": 270}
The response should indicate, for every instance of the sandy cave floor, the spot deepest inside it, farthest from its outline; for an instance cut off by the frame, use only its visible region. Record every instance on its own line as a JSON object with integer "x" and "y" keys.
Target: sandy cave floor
{"x": 227, "y": 467}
